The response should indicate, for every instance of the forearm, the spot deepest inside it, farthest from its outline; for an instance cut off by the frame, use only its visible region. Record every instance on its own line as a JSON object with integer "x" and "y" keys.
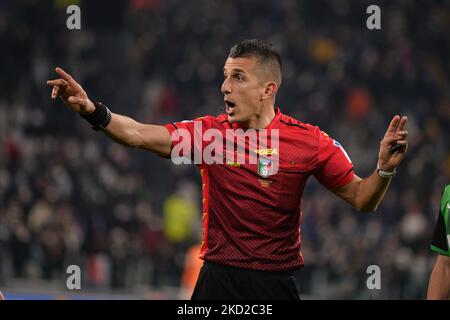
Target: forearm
{"x": 439, "y": 284}
{"x": 124, "y": 130}
{"x": 128, "y": 132}
{"x": 371, "y": 191}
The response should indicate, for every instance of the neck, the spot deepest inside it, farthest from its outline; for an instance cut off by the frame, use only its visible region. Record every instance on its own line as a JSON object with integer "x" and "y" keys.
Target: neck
{"x": 261, "y": 120}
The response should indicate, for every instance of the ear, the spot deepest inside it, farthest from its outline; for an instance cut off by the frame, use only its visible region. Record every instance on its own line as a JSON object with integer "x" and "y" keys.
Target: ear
{"x": 270, "y": 88}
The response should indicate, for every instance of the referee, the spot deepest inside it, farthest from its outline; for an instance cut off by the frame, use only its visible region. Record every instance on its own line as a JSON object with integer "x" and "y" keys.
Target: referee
{"x": 251, "y": 214}
{"x": 439, "y": 284}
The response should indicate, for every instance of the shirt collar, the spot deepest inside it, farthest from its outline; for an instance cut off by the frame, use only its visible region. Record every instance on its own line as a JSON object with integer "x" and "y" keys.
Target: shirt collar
{"x": 271, "y": 125}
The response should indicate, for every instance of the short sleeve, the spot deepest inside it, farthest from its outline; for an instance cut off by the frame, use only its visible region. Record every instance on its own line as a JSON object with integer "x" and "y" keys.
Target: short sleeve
{"x": 186, "y": 136}
{"x": 334, "y": 167}
{"x": 440, "y": 242}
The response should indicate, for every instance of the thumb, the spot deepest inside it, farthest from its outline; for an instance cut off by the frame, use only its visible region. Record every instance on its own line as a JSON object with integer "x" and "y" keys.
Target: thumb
{"x": 75, "y": 100}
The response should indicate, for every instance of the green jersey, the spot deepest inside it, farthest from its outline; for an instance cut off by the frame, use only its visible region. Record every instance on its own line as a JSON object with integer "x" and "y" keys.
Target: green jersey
{"x": 441, "y": 237}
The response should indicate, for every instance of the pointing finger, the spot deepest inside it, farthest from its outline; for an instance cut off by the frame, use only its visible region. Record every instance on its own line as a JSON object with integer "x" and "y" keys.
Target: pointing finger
{"x": 65, "y": 76}
{"x": 394, "y": 123}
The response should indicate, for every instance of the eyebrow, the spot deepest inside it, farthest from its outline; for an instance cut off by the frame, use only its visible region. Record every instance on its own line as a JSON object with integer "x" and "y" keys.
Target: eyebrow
{"x": 235, "y": 70}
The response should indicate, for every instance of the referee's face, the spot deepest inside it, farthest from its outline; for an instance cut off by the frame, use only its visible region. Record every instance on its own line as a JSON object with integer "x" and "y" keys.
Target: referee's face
{"x": 242, "y": 89}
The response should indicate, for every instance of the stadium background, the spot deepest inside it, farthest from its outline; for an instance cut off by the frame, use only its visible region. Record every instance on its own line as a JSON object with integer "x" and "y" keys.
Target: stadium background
{"x": 70, "y": 196}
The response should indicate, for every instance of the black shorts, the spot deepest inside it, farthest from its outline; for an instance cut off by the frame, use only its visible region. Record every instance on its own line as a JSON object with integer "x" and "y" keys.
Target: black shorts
{"x": 220, "y": 282}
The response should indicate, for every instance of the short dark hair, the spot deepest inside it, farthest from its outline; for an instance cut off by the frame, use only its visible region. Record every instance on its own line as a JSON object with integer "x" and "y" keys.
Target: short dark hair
{"x": 263, "y": 50}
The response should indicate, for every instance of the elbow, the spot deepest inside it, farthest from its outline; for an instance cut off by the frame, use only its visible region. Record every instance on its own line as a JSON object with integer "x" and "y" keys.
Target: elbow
{"x": 366, "y": 208}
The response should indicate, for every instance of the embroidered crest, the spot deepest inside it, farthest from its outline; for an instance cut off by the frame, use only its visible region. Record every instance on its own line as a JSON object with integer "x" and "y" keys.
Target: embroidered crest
{"x": 264, "y": 165}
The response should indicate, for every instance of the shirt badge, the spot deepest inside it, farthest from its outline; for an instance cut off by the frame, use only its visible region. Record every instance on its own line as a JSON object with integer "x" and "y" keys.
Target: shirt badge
{"x": 264, "y": 165}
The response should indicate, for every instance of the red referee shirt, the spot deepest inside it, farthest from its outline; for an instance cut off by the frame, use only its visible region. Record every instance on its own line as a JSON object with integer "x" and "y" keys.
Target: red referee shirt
{"x": 251, "y": 220}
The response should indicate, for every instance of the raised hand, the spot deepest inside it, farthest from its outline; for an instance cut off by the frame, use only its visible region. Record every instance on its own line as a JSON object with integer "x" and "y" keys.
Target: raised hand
{"x": 71, "y": 93}
{"x": 394, "y": 145}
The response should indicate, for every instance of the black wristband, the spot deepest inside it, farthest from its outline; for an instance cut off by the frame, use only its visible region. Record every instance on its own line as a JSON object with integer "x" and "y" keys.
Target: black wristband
{"x": 100, "y": 118}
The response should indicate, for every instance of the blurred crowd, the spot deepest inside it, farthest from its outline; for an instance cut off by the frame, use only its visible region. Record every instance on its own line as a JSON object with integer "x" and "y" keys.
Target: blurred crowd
{"x": 69, "y": 195}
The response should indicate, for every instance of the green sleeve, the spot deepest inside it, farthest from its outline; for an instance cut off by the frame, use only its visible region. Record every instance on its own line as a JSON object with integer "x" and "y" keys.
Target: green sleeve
{"x": 441, "y": 236}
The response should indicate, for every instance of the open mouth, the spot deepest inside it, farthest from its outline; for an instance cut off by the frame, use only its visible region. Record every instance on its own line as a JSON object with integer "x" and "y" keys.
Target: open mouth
{"x": 229, "y": 107}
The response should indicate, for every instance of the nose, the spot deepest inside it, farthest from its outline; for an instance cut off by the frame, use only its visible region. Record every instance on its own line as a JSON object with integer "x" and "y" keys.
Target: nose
{"x": 226, "y": 88}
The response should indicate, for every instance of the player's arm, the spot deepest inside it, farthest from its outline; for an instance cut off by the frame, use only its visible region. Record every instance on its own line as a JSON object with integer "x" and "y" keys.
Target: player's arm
{"x": 366, "y": 194}
{"x": 121, "y": 129}
{"x": 439, "y": 284}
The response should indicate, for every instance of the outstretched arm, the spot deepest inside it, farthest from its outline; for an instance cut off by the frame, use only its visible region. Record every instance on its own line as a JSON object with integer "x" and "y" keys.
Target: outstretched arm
{"x": 366, "y": 194}
{"x": 439, "y": 284}
{"x": 121, "y": 129}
